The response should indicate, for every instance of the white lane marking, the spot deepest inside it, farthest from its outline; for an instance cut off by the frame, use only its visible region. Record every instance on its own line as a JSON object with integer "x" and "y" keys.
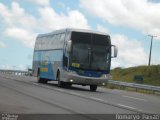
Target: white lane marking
{"x": 36, "y": 84}
{"x": 59, "y": 90}
{"x": 126, "y": 106}
{"x": 130, "y": 107}
{"x": 94, "y": 98}
{"x": 73, "y": 93}
{"x": 134, "y": 98}
{"x": 47, "y": 87}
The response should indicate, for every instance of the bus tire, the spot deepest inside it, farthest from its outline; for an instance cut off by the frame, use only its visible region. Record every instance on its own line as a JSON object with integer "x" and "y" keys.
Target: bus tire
{"x": 60, "y": 83}
{"x": 44, "y": 81}
{"x": 67, "y": 85}
{"x": 93, "y": 88}
{"x": 41, "y": 80}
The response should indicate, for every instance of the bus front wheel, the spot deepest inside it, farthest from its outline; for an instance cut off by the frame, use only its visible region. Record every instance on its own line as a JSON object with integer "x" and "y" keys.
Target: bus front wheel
{"x": 93, "y": 88}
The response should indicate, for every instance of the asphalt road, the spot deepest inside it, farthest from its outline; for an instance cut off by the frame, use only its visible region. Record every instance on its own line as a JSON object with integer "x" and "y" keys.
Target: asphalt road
{"x": 23, "y": 95}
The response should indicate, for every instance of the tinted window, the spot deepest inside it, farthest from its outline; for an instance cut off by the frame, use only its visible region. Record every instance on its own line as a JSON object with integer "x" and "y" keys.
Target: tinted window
{"x": 90, "y": 51}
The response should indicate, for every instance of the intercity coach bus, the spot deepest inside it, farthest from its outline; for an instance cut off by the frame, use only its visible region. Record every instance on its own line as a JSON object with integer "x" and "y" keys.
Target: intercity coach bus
{"x": 73, "y": 56}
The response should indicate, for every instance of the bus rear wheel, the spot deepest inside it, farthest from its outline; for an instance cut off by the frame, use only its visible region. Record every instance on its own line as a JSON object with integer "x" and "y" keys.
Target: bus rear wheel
{"x": 93, "y": 88}
{"x": 41, "y": 80}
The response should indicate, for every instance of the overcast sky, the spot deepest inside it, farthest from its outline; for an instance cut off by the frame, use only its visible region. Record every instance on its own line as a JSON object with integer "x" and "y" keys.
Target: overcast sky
{"x": 127, "y": 21}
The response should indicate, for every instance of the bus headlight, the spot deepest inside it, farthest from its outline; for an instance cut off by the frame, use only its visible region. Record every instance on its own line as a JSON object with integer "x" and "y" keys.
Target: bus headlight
{"x": 104, "y": 76}
{"x": 103, "y": 84}
{"x": 71, "y": 80}
{"x": 107, "y": 76}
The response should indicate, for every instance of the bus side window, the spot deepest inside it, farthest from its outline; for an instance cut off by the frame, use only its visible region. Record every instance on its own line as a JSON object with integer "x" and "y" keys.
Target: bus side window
{"x": 62, "y": 39}
{"x": 66, "y": 39}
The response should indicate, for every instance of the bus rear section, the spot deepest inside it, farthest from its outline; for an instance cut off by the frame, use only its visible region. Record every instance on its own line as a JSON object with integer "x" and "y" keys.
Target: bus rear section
{"x": 48, "y": 56}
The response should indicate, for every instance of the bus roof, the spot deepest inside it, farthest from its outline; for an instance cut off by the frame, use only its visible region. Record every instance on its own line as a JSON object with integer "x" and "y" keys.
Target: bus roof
{"x": 71, "y": 30}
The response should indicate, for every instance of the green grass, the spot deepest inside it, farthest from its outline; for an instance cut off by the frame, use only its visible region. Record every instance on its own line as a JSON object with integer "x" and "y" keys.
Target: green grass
{"x": 151, "y": 75}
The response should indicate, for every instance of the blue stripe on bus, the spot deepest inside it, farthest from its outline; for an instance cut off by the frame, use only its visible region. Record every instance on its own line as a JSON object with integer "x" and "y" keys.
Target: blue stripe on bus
{"x": 88, "y": 73}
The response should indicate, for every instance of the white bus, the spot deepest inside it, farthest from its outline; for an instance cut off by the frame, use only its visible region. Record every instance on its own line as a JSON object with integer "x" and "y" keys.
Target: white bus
{"x": 73, "y": 56}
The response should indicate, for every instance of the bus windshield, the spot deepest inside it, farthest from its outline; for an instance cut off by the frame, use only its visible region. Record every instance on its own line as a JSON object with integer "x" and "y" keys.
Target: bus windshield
{"x": 90, "y": 51}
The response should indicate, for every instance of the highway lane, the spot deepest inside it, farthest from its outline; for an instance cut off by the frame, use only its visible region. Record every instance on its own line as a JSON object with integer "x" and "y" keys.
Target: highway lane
{"x": 138, "y": 101}
{"x": 76, "y": 99}
{"x": 38, "y": 95}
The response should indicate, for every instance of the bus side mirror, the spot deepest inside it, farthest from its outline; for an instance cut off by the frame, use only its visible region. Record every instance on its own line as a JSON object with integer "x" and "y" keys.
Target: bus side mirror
{"x": 114, "y": 51}
{"x": 69, "y": 43}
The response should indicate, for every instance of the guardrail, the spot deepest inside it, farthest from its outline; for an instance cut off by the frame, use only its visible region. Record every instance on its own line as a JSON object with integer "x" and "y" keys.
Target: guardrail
{"x": 113, "y": 82}
{"x": 16, "y": 72}
{"x": 135, "y": 85}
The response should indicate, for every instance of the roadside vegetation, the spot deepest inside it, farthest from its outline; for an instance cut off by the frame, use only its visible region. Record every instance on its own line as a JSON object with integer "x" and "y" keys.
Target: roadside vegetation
{"x": 149, "y": 74}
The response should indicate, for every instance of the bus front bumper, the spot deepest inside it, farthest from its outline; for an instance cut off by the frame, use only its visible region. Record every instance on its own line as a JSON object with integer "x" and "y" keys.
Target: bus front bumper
{"x": 82, "y": 80}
